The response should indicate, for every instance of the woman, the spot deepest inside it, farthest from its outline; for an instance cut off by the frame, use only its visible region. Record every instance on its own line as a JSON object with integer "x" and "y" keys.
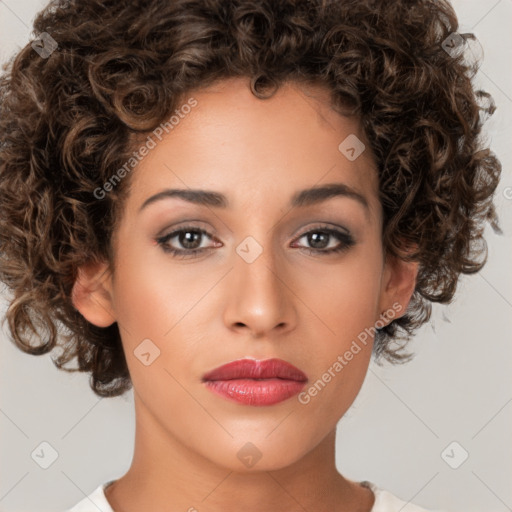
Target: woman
{"x": 231, "y": 207}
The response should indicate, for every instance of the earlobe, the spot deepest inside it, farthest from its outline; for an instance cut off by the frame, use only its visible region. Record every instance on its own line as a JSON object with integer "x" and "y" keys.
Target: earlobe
{"x": 399, "y": 282}
{"x": 92, "y": 294}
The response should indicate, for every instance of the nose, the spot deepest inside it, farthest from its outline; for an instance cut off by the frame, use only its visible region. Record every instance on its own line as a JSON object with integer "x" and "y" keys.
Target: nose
{"x": 260, "y": 299}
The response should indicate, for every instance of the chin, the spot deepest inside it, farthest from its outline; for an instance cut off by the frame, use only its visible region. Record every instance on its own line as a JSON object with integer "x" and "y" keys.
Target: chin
{"x": 259, "y": 452}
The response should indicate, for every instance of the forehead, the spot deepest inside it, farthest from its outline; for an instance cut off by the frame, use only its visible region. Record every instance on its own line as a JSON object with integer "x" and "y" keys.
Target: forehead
{"x": 251, "y": 149}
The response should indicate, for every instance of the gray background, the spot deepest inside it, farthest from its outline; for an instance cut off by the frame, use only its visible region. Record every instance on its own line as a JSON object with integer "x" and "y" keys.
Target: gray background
{"x": 458, "y": 388}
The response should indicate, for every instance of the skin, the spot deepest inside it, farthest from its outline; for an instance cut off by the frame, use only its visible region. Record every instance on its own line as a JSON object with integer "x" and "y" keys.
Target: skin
{"x": 212, "y": 308}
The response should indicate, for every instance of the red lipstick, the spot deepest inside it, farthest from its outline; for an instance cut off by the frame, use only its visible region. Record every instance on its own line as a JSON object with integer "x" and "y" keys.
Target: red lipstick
{"x": 252, "y": 382}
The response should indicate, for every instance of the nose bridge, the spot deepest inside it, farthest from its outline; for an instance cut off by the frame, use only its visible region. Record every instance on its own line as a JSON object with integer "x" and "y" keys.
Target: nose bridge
{"x": 259, "y": 300}
{"x": 256, "y": 263}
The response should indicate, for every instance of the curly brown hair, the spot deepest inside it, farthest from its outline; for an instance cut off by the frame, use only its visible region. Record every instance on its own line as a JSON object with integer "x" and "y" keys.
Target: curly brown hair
{"x": 69, "y": 120}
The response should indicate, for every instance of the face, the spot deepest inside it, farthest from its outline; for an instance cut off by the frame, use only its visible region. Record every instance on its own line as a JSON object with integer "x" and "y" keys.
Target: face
{"x": 260, "y": 273}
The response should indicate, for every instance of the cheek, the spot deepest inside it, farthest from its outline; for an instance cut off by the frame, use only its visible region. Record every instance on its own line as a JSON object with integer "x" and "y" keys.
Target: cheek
{"x": 344, "y": 297}
{"x": 151, "y": 293}
{"x": 164, "y": 302}
{"x": 345, "y": 302}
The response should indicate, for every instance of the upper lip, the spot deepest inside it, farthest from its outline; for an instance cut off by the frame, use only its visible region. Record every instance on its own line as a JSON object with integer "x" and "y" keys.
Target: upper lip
{"x": 254, "y": 369}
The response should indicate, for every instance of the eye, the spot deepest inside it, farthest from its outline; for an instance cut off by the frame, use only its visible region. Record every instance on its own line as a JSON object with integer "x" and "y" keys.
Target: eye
{"x": 189, "y": 237}
{"x": 320, "y": 239}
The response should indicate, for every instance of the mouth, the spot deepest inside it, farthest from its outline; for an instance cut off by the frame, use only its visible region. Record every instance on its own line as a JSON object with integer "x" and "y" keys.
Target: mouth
{"x": 257, "y": 383}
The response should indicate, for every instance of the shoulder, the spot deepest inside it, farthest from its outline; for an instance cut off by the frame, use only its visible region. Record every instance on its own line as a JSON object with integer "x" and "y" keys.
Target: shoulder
{"x": 94, "y": 502}
{"x": 385, "y": 501}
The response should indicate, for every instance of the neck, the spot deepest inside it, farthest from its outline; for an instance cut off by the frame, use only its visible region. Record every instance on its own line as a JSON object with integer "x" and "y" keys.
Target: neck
{"x": 165, "y": 474}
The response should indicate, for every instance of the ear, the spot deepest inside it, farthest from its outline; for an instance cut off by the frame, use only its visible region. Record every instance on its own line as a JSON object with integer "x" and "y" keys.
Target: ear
{"x": 92, "y": 294}
{"x": 397, "y": 286}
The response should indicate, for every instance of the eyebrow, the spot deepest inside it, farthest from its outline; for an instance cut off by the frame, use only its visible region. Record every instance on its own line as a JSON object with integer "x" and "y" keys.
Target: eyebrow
{"x": 302, "y": 198}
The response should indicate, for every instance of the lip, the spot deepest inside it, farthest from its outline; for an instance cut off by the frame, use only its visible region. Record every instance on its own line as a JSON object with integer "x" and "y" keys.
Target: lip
{"x": 257, "y": 383}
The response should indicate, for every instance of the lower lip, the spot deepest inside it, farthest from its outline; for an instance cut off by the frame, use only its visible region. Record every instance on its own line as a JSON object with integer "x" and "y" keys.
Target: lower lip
{"x": 256, "y": 392}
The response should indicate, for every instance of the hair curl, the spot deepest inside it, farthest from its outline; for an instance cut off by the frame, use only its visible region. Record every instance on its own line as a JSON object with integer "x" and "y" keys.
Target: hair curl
{"x": 69, "y": 121}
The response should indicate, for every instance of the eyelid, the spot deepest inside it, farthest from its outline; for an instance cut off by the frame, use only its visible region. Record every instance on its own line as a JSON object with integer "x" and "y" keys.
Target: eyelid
{"x": 187, "y": 224}
{"x": 342, "y": 234}
{"x": 184, "y": 224}
{"x": 175, "y": 231}
{"x": 324, "y": 225}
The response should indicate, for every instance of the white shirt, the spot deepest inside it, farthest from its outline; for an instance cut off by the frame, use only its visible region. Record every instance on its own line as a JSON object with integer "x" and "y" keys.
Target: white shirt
{"x": 384, "y": 501}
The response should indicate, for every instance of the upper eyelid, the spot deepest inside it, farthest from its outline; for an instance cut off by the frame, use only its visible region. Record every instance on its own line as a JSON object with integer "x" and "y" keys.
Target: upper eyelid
{"x": 319, "y": 226}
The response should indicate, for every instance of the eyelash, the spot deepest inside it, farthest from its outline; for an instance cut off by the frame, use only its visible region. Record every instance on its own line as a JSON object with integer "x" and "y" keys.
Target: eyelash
{"x": 346, "y": 241}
